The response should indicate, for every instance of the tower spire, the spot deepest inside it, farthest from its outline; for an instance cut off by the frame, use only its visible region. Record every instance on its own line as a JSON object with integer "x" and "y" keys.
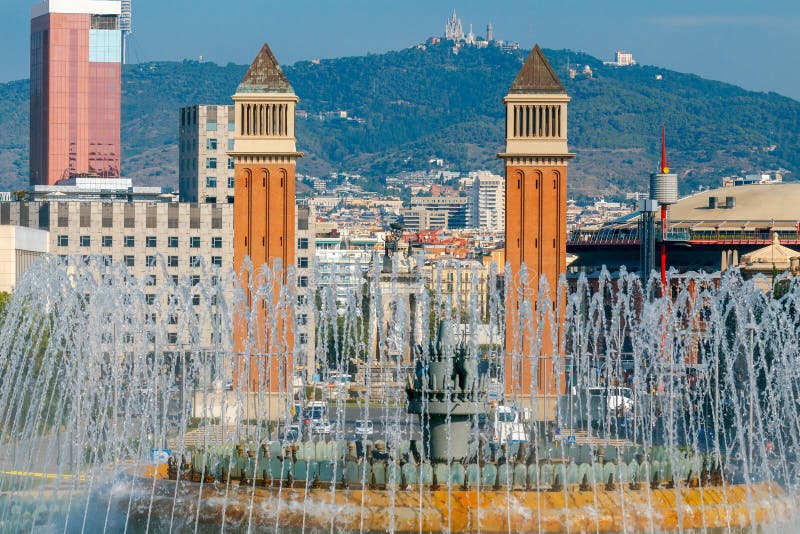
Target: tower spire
{"x": 664, "y": 162}
{"x": 536, "y": 75}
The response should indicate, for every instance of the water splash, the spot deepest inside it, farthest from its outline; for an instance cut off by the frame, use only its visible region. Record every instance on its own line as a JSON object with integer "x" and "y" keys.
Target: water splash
{"x": 98, "y": 369}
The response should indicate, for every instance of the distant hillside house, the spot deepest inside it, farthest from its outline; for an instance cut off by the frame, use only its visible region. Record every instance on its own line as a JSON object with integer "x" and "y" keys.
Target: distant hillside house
{"x": 623, "y": 59}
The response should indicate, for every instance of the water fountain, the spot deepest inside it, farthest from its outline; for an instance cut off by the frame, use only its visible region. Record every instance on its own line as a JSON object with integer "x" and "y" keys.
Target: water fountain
{"x": 677, "y": 413}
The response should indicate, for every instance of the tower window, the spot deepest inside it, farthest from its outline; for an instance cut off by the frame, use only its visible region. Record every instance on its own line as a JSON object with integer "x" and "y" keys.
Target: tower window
{"x": 515, "y": 117}
{"x": 104, "y": 22}
{"x": 558, "y": 119}
{"x": 527, "y": 121}
{"x": 539, "y": 120}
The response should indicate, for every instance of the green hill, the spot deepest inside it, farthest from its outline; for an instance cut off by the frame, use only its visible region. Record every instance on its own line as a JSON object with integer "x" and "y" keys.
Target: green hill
{"x": 416, "y": 104}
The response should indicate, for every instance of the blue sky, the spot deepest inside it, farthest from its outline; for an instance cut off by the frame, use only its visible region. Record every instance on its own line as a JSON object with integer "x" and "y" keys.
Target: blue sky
{"x": 750, "y": 43}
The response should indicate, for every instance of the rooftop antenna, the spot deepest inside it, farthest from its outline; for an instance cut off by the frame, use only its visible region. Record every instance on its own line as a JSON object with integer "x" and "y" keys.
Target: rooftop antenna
{"x": 664, "y": 170}
{"x": 126, "y": 27}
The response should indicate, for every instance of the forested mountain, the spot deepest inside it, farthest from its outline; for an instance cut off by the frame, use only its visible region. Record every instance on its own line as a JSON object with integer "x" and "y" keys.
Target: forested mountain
{"x": 417, "y": 104}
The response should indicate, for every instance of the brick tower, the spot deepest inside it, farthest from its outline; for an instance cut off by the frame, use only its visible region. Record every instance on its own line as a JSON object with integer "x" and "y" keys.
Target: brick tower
{"x": 264, "y": 155}
{"x": 536, "y": 157}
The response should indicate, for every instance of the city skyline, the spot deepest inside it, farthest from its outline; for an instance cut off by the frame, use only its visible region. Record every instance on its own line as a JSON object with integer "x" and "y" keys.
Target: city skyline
{"x": 747, "y": 45}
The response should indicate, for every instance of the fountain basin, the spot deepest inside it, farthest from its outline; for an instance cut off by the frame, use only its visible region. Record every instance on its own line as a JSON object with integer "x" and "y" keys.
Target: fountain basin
{"x": 427, "y": 509}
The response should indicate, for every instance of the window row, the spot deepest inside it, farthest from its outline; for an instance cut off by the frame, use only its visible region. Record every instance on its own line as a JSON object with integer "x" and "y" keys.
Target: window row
{"x": 151, "y": 216}
{"x": 211, "y": 144}
{"x": 211, "y": 126}
{"x": 150, "y": 337}
{"x": 537, "y": 121}
{"x": 211, "y": 182}
{"x": 211, "y": 163}
{"x": 265, "y": 119}
{"x": 152, "y": 261}
{"x": 129, "y": 241}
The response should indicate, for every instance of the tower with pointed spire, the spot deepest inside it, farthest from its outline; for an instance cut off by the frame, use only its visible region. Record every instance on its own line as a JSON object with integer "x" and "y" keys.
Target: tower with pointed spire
{"x": 535, "y": 157}
{"x": 453, "y": 31}
{"x": 264, "y": 156}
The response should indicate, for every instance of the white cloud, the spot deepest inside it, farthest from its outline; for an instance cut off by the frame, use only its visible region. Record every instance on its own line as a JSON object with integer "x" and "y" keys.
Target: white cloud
{"x": 689, "y": 21}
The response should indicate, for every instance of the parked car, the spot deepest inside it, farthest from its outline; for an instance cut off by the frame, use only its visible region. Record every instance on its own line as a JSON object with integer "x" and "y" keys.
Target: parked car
{"x": 321, "y": 426}
{"x": 508, "y": 427}
{"x": 315, "y": 411}
{"x": 363, "y": 428}
{"x": 292, "y": 434}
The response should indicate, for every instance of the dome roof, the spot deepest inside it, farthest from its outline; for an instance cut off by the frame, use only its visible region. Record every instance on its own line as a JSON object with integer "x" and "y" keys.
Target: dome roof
{"x": 772, "y": 203}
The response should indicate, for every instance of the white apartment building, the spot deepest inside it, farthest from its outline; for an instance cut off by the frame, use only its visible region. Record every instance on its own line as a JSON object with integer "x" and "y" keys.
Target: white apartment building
{"x": 624, "y": 59}
{"x": 20, "y": 248}
{"x": 205, "y": 172}
{"x": 342, "y": 270}
{"x": 621, "y": 59}
{"x": 487, "y": 205}
{"x": 305, "y": 343}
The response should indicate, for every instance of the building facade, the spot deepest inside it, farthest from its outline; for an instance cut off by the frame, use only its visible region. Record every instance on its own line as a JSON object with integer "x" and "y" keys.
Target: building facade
{"x": 487, "y": 202}
{"x": 342, "y": 270}
{"x": 453, "y": 30}
{"x": 418, "y": 218}
{"x": 305, "y": 318}
{"x": 455, "y": 207}
{"x": 158, "y": 242}
{"x": 205, "y": 171}
{"x": 20, "y": 248}
{"x": 536, "y": 159}
{"x": 75, "y": 104}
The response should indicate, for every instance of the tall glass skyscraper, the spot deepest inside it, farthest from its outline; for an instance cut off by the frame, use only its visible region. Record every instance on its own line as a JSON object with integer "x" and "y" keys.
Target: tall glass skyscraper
{"x": 76, "y": 55}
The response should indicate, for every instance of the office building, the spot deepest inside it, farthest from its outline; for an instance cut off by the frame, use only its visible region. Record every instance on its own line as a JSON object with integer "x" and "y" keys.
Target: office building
{"x": 455, "y": 208}
{"x": 418, "y": 218}
{"x": 205, "y": 171}
{"x": 75, "y": 91}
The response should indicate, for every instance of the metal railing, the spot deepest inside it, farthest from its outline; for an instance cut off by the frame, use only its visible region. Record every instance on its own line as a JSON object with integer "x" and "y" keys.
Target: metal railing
{"x": 631, "y": 237}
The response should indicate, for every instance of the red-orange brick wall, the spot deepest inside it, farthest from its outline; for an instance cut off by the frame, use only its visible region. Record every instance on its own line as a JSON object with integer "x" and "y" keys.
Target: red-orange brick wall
{"x": 264, "y": 230}
{"x": 536, "y": 227}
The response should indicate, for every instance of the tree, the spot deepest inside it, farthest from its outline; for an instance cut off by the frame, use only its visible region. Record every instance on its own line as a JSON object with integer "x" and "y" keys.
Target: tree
{"x": 5, "y": 298}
